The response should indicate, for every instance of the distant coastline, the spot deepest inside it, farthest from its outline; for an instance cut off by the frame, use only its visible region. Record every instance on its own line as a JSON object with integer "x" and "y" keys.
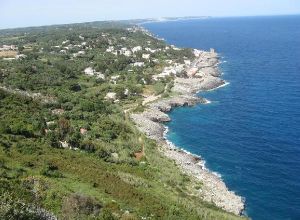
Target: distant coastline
{"x": 170, "y": 19}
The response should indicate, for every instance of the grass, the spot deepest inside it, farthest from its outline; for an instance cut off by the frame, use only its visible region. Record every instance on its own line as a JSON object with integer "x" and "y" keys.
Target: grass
{"x": 151, "y": 188}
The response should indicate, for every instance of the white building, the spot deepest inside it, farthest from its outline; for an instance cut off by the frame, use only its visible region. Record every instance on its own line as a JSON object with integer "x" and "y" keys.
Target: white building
{"x": 91, "y": 72}
{"x": 127, "y": 53}
{"x": 139, "y": 64}
{"x": 146, "y": 56}
{"x": 187, "y": 62}
{"x": 150, "y": 50}
{"x": 136, "y": 49}
{"x": 197, "y": 53}
{"x": 65, "y": 42}
{"x": 110, "y": 49}
{"x": 111, "y": 96}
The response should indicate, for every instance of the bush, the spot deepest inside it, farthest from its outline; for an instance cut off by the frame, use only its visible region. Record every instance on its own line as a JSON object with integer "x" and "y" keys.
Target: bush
{"x": 11, "y": 208}
{"x": 159, "y": 88}
{"x": 88, "y": 145}
{"x": 64, "y": 127}
{"x": 53, "y": 139}
{"x": 75, "y": 206}
{"x": 107, "y": 215}
{"x": 51, "y": 170}
{"x": 75, "y": 87}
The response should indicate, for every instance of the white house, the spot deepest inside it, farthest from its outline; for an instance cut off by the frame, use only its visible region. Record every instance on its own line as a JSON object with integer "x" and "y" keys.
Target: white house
{"x": 110, "y": 49}
{"x": 111, "y": 96}
{"x": 136, "y": 49}
{"x": 114, "y": 79}
{"x": 146, "y": 56}
{"x": 91, "y": 72}
{"x": 197, "y": 53}
{"x": 65, "y": 42}
{"x": 187, "y": 62}
{"x": 139, "y": 64}
{"x": 150, "y": 50}
{"x": 127, "y": 53}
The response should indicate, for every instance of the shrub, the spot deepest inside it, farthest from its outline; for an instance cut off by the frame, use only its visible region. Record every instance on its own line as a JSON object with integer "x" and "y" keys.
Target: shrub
{"x": 159, "y": 88}
{"x": 51, "y": 170}
{"x": 107, "y": 215}
{"x": 11, "y": 208}
{"x": 53, "y": 139}
{"x": 75, "y": 87}
{"x": 88, "y": 145}
{"x": 77, "y": 205}
{"x": 64, "y": 127}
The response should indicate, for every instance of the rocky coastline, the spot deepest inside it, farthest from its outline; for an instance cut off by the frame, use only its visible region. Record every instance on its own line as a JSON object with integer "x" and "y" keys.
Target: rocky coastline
{"x": 201, "y": 75}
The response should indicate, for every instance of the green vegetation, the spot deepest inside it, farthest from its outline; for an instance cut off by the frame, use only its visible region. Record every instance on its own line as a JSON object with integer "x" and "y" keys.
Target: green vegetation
{"x": 68, "y": 148}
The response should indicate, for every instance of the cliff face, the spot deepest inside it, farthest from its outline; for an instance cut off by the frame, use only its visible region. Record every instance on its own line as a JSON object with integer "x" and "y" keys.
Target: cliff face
{"x": 203, "y": 74}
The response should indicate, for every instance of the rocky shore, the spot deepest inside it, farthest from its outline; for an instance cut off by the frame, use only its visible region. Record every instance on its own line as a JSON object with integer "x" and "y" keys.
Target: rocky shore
{"x": 203, "y": 74}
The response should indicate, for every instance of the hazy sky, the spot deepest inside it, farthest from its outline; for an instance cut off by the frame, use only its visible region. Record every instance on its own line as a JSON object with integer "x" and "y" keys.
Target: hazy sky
{"x": 20, "y": 13}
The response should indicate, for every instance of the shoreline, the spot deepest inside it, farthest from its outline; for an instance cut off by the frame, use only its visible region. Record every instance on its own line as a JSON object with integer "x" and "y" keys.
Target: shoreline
{"x": 150, "y": 122}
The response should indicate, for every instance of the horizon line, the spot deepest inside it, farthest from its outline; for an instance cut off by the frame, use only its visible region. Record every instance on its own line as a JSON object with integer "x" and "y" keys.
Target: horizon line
{"x": 155, "y": 19}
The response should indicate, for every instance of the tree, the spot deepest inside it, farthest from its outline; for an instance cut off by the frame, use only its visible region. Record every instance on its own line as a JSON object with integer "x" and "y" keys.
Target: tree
{"x": 74, "y": 139}
{"x": 64, "y": 127}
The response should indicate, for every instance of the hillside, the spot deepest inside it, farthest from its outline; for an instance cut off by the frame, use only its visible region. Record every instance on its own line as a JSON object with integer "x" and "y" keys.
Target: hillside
{"x": 68, "y": 149}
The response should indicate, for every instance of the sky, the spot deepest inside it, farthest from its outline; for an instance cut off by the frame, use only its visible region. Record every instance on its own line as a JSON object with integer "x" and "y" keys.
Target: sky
{"x": 22, "y": 13}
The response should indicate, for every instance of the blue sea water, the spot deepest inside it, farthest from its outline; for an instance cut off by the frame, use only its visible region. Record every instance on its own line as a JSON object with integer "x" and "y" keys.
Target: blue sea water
{"x": 250, "y": 133}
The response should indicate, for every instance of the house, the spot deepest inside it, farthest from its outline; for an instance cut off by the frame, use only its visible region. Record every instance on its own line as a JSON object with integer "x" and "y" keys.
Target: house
{"x": 136, "y": 49}
{"x": 110, "y": 49}
{"x": 197, "y": 53}
{"x": 91, "y": 72}
{"x": 150, "y": 50}
{"x": 58, "y": 111}
{"x": 21, "y": 56}
{"x": 175, "y": 48}
{"x": 187, "y": 62}
{"x": 114, "y": 79}
{"x": 168, "y": 71}
{"x": 8, "y": 47}
{"x": 127, "y": 53}
{"x": 169, "y": 61}
{"x": 65, "y": 42}
{"x": 111, "y": 96}
{"x": 146, "y": 56}
{"x": 155, "y": 60}
{"x": 139, "y": 64}
{"x": 79, "y": 53}
{"x": 9, "y": 58}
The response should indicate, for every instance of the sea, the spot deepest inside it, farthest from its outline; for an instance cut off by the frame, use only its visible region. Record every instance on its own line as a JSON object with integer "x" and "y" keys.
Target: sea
{"x": 250, "y": 132}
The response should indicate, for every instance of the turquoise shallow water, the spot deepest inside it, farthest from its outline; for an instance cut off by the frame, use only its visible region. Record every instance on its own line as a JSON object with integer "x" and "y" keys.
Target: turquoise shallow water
{"x": 250, "y": 133}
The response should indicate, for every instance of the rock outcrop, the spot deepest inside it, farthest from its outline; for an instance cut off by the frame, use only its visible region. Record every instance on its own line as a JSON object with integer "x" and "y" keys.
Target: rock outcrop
{"x": 204, "y": 75}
